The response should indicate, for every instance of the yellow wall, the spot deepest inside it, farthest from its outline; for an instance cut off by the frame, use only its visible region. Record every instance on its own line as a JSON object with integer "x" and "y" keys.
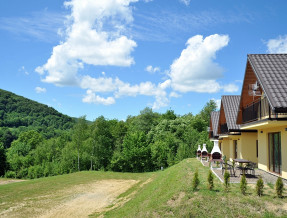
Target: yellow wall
{"x": 231, "y": 147}
{"x": 263, "y": 154}
{"x": 225, "y": 148}
{"x": 248, "y": 146}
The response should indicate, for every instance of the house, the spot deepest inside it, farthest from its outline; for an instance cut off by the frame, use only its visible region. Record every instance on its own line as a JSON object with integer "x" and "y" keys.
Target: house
{"x": 213, "y": 125}
{"x": 234, "y": 142}
{"x": 263, "y": 107}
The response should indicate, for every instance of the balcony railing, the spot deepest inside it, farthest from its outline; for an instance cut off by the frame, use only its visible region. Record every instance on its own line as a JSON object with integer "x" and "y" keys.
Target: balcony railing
{"x": 259, "y": 110}
{"x": 223, "y": 128}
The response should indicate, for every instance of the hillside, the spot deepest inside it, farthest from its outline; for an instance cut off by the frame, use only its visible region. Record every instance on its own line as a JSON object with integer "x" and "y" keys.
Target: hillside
{"x": 17, "y": 112}
{"x": 165, "y": 193}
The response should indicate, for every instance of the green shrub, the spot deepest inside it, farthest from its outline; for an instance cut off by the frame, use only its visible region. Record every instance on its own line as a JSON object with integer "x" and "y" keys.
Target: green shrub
{"x": 10, "y": 174}
{"x": 259, "y": 187}
{"x": 279, "y": 186}
{"x": 195, "y": 181}
{"x": 243, "y": 184}
{"x": 226, "y": 180}
{"x": 210, "y": 180}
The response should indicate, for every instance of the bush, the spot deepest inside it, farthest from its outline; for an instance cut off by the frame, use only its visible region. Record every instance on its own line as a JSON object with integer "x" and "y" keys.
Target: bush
{"x": 243, "y": 184}
{"x": 226, "y": 180}
{"x": 10, "y": 174}
{"x": 279, "y": 186}
{"x": 210, "y": 180}
{"x": 259, "y": 187}
{"x": 195, "y": 181}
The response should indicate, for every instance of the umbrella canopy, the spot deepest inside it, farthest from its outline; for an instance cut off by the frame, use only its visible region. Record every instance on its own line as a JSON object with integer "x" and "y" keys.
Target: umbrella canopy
{"x": 204, "y": 148}
{"x": 215, "y": 147}
{"x": 198, "y": 149}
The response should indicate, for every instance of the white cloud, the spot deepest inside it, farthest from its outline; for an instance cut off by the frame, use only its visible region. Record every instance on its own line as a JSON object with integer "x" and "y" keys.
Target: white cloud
{"x": 230, "y": 88}
{"x": 91, "y": 97}
{"x": 195, "y": 69}
{"x": 40, "y": 90}
{"x": 152, "y": 69}
{"x": 174, "y": 95}
{"x": 95, "y": 36}
{"x": 23, "y": 69}
{"x": 42, "y": 25}
{"x": 218, "y": 103}
{"x": 278, "y": 45}
{"x": 186, "y": 2}
{"x": 117, "y": 89}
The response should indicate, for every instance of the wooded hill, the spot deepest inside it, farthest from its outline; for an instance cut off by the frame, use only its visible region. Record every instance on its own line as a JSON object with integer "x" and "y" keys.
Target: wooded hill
{"x": 37, "y": 141}
{"x": 18, "y": 114}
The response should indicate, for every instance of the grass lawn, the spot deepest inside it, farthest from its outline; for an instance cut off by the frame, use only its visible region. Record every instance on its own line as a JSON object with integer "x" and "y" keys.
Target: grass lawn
{"x": 159, "y": 194}
{"x": 170, "y": 194}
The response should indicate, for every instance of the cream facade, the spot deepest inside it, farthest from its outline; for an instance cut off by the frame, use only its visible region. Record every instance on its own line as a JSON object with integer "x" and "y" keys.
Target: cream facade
{"x": 266, "y": 155}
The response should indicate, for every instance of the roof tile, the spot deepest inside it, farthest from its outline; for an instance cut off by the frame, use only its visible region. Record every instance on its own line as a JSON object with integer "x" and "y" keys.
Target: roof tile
{"x": 271, "y": 71}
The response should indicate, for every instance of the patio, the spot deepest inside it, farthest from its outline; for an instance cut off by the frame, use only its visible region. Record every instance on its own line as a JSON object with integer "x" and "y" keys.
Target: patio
{"x": 267, "y": 177}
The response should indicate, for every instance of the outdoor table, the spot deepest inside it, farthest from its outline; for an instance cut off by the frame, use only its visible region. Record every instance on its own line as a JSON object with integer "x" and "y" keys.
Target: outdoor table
{"x": 242, "y": 161}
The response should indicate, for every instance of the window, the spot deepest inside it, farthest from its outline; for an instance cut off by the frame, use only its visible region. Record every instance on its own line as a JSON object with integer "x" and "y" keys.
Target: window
{"x": 235, "y": 148}
{"x": 275, "y": 152}
{"x": 220, "y": 146}
{"x": 256, "y": 148}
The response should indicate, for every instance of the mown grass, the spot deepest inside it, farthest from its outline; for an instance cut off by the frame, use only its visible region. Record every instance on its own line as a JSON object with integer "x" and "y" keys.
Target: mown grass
{"x": 168, "y": 193}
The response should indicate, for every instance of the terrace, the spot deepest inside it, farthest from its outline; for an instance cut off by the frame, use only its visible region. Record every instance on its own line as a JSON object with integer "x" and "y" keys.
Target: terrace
{"x": 260, "y": 110}
{"x": 251, "y": 179}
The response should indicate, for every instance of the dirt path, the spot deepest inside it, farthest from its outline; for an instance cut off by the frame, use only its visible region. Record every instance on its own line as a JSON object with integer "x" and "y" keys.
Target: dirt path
{"x": 7, "y": 181}
{"x": 83, "y": 200}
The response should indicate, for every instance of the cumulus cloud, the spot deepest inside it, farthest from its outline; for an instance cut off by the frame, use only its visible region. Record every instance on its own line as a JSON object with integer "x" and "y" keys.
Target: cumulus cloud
{"x": 218, "y": 103}
{"x": 94, "y": 35}
{"x": 186, "y": 2}
{"x": 91, "y": 97}
{"x": 230, "y": 88}
{"x": 40, "y": 90}
{"x": 195, "y": 69}
{"x": 23, "y": 69}
{"x": 152, "y": 69}
{"x": 174, "y": 95}
{"x": 278, "y": 45}
{"x": 117, "y": 89}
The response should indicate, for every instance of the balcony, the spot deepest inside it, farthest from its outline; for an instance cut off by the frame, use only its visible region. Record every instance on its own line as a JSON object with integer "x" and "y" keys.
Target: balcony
{"x": 223, "y": 128}
{"x": 259, "y": 110}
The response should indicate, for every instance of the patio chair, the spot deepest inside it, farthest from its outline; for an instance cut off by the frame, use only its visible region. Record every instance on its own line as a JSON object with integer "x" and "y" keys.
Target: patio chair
{"x": 227, "y": 166}
{"x": 251, "y": 167}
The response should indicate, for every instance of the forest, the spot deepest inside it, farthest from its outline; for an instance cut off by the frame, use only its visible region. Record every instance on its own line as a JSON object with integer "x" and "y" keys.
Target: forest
{"x": 37, "y": 141}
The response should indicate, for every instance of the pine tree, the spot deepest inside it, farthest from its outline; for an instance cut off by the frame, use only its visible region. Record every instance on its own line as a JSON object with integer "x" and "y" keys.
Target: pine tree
{"x": 259, "y": 187}
{"x": 243, "y": 184}
{"x": 226, "y": 180}
{"x": 210, "y": 180}
{"x": 279, "y": 186}
{"x": 195, "y": 181}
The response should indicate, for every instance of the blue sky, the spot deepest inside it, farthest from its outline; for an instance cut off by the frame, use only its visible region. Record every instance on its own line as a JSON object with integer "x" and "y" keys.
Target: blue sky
{"x": 116, "y": 57}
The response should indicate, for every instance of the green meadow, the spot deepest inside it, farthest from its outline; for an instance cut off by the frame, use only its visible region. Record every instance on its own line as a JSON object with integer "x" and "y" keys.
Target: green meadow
{"x": 158, "y": 194}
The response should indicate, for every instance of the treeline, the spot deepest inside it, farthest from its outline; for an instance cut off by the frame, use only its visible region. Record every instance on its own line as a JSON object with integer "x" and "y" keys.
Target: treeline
{"x": 19, "y": 114}
{"x": 142, "y": 143}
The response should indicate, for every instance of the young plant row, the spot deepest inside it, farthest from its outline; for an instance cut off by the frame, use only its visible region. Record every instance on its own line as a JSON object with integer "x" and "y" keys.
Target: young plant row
{"x": 279, "y": 186}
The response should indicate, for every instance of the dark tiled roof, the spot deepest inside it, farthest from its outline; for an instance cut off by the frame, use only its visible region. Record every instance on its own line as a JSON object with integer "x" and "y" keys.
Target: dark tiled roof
{"x": 214, "y": 116}
{"x": 271, "y": 72}
{"x": 230, "y": 105}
